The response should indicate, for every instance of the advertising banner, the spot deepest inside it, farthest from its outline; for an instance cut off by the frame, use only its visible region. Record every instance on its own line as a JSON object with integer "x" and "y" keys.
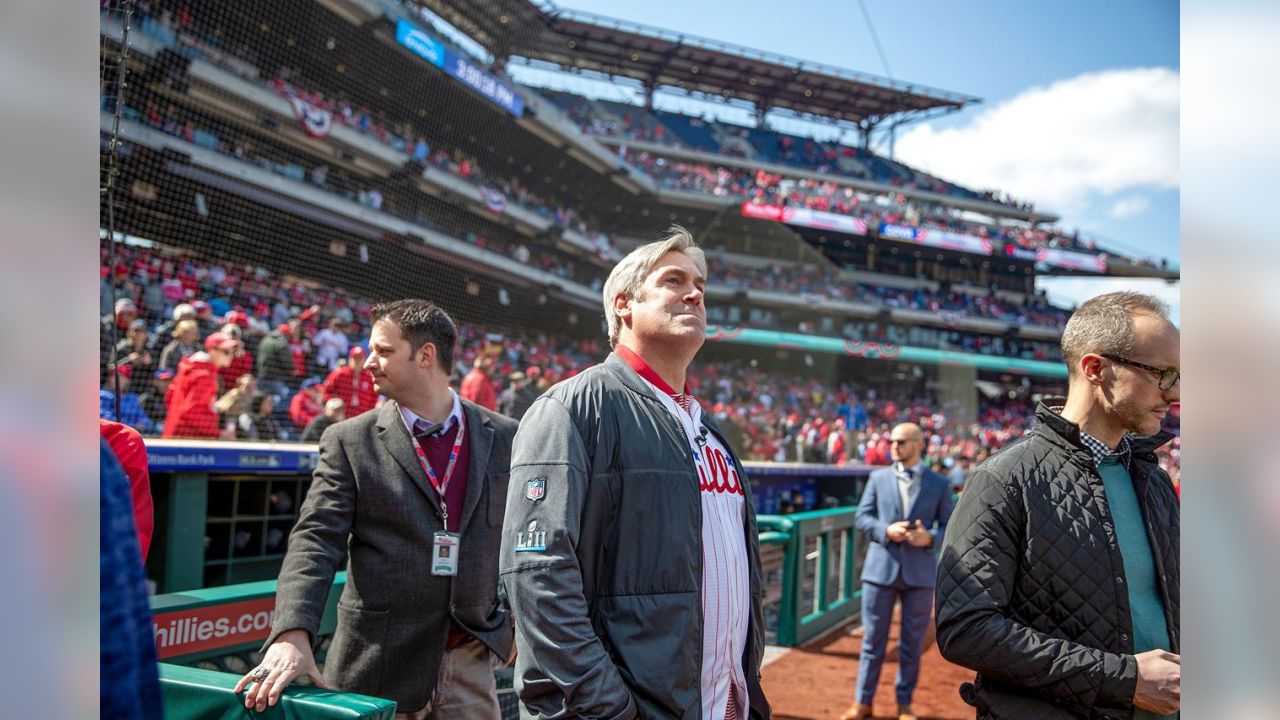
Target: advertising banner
{"x": 805, "y": 217}
{"x": 193, "y": 630}
{"x": 931, "y": 237}
{"x": 420, "y": 43}
{"x": 481, "y": 81}
{"x": 470, "y": 74}
{"x": 1020, "y": 253}
{"x": 1072, "y": 260}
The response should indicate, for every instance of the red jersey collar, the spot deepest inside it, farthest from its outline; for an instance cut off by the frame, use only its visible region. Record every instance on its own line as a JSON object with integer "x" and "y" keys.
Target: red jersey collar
{"x": 642, "y": 369}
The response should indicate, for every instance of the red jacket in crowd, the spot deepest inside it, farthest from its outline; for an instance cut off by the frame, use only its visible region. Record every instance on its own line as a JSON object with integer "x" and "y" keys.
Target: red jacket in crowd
{"x": 127, "y": 444}
{"x": 190, "y": 399}
{"x": 477, "y": 388}
{"x": 304, "y": 406}
{"x": 355, "y": 387}
{"x": 241, "y": 364}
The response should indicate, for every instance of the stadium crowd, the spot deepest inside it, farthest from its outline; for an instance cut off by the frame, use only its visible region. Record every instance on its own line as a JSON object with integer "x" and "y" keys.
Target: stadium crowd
{"x": 296, "y": 346}
{"x": 629, "y": 122}
{"x": 816, "y": 282}
{"x": 772, "y": 189}
{"x": 811, "y": 281}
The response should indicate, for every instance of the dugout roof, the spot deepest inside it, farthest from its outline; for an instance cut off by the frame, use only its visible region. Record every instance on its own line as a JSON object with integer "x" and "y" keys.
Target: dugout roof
{"x": 538, "y": 30}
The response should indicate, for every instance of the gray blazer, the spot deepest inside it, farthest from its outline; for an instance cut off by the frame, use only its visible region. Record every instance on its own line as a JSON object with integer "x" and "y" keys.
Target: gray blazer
{"x": 881, "y": 506}
{"x": 370, "y": 499}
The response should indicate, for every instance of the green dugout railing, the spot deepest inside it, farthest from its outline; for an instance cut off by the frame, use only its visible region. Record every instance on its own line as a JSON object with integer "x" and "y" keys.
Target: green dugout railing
{"x": 214, "y": 628}
{"x": 189, "y": 692}
{"x": 204, "y": 637}
{"x": 819, "y": 586}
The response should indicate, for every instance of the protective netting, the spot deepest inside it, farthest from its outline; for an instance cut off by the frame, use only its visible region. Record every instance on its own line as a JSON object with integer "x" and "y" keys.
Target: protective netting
{"x": 279, "y": 167}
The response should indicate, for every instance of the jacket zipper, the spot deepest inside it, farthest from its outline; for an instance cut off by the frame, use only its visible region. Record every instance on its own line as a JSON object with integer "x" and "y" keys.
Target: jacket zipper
{"x": 1156, "y": 556}
{"x": 701, "y": 550}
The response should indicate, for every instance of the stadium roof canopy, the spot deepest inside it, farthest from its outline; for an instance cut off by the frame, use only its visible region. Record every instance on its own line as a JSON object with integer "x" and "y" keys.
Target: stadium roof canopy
{"x": 569, "y": 39}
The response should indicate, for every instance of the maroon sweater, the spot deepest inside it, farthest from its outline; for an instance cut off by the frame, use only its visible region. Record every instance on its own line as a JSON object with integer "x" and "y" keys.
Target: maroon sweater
{"x": 437, "y": 448}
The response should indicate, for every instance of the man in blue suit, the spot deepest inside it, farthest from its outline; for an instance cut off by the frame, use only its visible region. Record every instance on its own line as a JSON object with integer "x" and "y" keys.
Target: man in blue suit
{"x": 903, "y": 513}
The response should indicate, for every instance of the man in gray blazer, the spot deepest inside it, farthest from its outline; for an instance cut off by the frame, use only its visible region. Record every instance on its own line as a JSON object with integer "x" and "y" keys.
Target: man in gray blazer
{"x": 903, "y": 513}
{"x": 414, "y": 494}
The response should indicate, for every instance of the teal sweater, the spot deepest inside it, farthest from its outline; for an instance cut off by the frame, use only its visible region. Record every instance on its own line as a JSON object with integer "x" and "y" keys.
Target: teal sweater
{"x": 1150, "y": 631}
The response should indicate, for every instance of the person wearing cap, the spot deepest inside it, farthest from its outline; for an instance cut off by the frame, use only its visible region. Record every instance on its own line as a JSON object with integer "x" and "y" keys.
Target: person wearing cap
{"x": 115, "y": 327}
{"x": 516, "y": 398}
{"x": 164, "y": 333}
{"x": 241, "y": 364}
{"x": 194, "y": 390}
{"x": 353, "y": 383}
{"x": 630, "y": 553}
{"x": 204, "y": 317}
{"x": 335, "y": 411}
{"x": 186, "y": 340}
{"x": 132, "y": 351}
{"x": 411, "y": 496}
{"x": 307, "y": 404}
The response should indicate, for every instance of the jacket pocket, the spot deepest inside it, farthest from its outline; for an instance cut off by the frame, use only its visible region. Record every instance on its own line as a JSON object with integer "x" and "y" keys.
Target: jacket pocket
{"x": 358, "y": 652}
{"x": 998, "y": 704}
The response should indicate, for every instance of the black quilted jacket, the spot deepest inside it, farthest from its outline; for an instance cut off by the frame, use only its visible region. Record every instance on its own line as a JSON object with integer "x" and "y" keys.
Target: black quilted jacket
{"x": 1031, "y": 584}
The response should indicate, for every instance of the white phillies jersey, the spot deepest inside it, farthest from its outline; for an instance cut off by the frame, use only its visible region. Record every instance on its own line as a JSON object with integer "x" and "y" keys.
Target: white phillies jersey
{"x": 726, "y": 589}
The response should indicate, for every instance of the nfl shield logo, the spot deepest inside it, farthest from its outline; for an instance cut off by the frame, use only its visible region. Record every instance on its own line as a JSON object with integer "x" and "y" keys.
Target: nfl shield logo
{"x": 536, "y": 488}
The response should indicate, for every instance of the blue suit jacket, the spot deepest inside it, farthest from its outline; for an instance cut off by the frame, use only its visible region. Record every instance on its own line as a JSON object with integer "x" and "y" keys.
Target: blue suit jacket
{"x": 881, "y": 506}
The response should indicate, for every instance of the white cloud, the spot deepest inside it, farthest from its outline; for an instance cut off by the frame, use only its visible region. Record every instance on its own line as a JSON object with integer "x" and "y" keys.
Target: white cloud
{"x": 1063, "y": 146}
{"x": 1127, "y": 207}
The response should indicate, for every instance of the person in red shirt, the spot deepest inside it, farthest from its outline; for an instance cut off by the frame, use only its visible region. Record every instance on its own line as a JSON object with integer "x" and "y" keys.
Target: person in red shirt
{"x": 477, "y": 387}
{"x": 353, "y": 384}
{"x": 306, "y": 404}
{"x": 194, "y": 390}
{"x": 241, "y": 364}
{"x": 127, "y": 445}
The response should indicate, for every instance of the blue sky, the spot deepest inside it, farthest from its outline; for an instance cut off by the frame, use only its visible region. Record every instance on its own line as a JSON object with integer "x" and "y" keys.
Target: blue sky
{"x": 1080, "y": 99}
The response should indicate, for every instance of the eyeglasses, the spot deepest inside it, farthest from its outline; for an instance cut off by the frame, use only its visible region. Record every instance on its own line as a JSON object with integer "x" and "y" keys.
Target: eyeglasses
{"x": 1168, "y": 376}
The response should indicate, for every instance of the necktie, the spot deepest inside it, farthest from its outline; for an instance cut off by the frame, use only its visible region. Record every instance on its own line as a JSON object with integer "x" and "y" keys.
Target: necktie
{"x": 423, "y": 429}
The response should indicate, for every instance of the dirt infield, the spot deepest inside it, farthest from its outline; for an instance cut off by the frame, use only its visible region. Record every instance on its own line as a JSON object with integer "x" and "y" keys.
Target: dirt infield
{"x": 816, "y": 682}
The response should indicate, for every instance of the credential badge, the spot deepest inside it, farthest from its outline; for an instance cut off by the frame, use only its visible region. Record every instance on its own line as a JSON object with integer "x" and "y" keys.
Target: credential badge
{"x": 536, "y": 489}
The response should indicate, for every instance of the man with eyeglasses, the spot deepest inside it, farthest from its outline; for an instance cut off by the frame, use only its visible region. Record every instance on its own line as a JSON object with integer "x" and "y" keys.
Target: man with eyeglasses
{"x": 1059, "y": 580}
{"x": 903, "y": 515}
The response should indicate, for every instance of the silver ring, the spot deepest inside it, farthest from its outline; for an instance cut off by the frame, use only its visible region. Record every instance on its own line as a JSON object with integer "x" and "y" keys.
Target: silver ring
{"x": 260, "y": 674}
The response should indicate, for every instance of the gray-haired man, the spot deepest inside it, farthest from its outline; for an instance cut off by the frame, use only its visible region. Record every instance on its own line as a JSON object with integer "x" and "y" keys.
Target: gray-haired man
{"x": 629, "y": 550}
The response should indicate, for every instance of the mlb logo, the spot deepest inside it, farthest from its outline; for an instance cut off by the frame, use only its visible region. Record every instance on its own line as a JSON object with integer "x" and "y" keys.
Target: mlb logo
{"x": 536, "y": 489}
